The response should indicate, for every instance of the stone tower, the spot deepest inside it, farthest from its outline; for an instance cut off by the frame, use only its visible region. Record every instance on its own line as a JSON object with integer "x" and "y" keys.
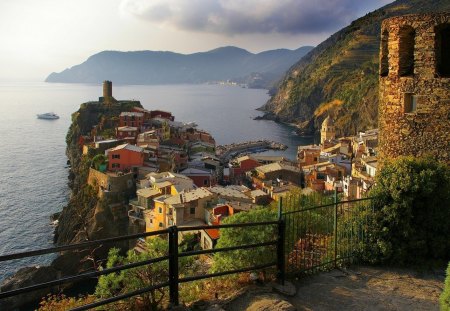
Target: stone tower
{"x": 414, "y": 107}
{"x": 107, "y": 92}
{"x": 327, "y": 131}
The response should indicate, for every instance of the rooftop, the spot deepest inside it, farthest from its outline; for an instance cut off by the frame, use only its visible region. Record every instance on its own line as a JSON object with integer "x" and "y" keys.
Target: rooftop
{"x": 127, "y": 128}
{"x": 273, "y": 167}
{"x": 131, "y": 114}
{"x": 228, "y": 192}
{"x": 147, "y": 192}
{"x": 127, "y": 147}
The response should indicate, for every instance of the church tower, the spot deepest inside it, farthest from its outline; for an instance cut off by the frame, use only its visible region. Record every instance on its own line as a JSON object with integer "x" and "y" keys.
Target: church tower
{"x": 327, "y": 131}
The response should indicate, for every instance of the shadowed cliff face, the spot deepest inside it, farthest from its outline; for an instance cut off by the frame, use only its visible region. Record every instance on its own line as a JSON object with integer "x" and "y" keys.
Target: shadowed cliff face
{"x": 345, "y": 68}
{"x": 87, "y": 217}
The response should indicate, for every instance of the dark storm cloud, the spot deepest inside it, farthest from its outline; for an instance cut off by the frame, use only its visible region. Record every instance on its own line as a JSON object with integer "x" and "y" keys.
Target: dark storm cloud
{"x": 251, "y": 16}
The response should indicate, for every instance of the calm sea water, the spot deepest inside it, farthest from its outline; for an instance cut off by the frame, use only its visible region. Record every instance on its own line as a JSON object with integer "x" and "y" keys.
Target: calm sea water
{"x": 33, "y": 172}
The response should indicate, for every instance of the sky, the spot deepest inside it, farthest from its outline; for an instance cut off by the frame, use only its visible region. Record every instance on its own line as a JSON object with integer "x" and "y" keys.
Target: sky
{"x": 38, "y": 37}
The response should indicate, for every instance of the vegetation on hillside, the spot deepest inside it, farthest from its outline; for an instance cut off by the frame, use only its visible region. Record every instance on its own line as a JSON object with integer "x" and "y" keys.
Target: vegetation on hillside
{"x": 344, "y": 67}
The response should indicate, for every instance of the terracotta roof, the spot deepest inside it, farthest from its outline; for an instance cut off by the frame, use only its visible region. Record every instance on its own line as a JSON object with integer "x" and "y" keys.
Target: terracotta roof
{"x": 213, "y": 233}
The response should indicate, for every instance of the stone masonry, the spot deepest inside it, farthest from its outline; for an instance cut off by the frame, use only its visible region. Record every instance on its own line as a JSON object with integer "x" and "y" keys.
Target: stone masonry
{"x": 414, "y": 109}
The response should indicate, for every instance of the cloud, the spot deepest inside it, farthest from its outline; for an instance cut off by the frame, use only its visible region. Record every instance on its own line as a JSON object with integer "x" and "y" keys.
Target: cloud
{"x": 251, "y": 16}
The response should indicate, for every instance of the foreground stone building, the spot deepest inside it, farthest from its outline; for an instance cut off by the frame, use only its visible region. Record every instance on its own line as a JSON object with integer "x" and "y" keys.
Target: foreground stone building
{"x": 414, "y": 109}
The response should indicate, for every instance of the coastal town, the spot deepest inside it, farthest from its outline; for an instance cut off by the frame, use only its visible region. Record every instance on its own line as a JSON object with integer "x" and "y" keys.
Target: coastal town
{"x": 162, "y": 217}
{"x": 173, "y": 173}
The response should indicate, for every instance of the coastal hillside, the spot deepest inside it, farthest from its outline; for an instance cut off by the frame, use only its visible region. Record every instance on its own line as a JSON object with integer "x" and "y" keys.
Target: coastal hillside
{"x": 340, "y": 76}
{"x": 152, "y": 67}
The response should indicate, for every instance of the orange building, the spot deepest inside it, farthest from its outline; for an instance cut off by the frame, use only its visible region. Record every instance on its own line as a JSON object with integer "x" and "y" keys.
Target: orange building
{"x": 133, "y": 119}
{"x": 125, "y": 157}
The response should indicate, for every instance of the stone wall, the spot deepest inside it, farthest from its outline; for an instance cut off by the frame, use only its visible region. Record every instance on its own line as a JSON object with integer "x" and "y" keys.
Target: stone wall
{"x": 414, "y": 109}
{"x": 113, "y": 185}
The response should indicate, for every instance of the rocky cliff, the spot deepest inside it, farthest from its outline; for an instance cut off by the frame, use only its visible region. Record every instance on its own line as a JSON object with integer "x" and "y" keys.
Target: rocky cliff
{"x": 340, "y": 76}
{"x": 86, "y": 217}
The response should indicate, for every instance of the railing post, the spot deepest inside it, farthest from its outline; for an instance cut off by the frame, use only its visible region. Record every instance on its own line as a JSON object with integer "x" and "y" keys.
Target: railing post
{"x": 335, "y": 227}
{"x": 280, "y": 245}
{"x": 173, "y": 265}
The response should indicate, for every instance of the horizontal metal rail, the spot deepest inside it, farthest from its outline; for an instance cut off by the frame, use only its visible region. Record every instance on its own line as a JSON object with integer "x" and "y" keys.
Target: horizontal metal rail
{"x": 205, "y": 276}
{"x": 242, "y": 225}
{"x": 80, "y": 277}
{"x": 225, "y": 249}
{"x": 325, "y": 205}
{"x": 79, "y": 245}
{"x": 120, "y": 297}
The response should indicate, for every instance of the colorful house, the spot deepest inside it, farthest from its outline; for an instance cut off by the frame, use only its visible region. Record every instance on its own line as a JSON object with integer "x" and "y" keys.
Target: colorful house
{"x": 133, "y": 119}
{"x": 124, "y": 157}
{"x": 240, "y": 166}
{"x": 201, "y": 177}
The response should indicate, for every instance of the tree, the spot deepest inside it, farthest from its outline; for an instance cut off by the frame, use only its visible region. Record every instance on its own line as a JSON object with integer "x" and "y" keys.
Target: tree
{"x": 231, "y": 260}
{"x": 128, "y": 280}
{"x": 411, "y": 222}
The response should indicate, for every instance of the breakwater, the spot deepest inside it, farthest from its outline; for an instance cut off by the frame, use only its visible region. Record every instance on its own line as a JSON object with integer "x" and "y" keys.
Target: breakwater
{"x": 225, "y": 152}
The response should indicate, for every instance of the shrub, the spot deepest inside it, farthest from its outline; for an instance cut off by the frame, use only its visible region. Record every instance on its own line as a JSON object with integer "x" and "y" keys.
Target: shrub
{"x": 243, "y": 258}
{"x": 411, "y": 222}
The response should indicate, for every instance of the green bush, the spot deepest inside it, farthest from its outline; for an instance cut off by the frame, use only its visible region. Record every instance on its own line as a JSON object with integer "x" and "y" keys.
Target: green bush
{"x": 243, "y": 258}
{"x": 444, "y": 300}
{"x": 411, "y": 222}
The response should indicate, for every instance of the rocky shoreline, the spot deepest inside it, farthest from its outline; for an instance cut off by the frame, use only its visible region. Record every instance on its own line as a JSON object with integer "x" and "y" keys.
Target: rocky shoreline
{"x": 84, "y": 218}
{"x": 302, "y": 129}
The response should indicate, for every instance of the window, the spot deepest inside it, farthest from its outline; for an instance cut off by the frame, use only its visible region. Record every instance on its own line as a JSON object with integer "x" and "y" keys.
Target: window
{"x": 406, "y": 51}
{"x": 192, "y": 210}
{"x": 410, "y": 103}
{"x": 442, "y": 47}
{"x": 384, "y": 60}
{"x": 161, "y": 225}
{"x": 205, "y": 182}
{"x": 160, "y": 210}
{"x": 116, "y": 156}
{"x": 115, "y": 165}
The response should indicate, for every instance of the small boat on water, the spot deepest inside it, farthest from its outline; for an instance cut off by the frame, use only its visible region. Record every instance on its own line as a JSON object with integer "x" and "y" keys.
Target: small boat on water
{"x": 48, "y": 116}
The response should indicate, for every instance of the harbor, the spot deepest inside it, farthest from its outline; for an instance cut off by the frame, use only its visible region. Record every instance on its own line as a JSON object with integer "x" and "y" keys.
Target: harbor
{"x": 225, "y": 152}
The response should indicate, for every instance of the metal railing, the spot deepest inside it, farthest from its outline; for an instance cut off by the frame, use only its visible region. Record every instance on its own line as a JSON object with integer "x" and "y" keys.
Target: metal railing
{"x": 310, "y": 238}
{"x": 173, "y": 280}
{"x": 323, "y": 236}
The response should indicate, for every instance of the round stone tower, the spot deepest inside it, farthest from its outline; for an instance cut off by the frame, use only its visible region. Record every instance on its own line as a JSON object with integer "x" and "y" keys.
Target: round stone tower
{"x": 414, "y": 106}
{"x": 327, "y": 131}
{"x": 107, "y": 89}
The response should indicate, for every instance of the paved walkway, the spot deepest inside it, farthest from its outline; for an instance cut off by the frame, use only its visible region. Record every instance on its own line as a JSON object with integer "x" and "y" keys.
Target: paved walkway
{"x": 361, "y": 288}
{"x": 369, "y": 288}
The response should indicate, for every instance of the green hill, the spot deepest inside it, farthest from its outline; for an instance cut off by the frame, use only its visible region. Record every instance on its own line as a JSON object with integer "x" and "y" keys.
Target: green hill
{"x": 340, "y": 76}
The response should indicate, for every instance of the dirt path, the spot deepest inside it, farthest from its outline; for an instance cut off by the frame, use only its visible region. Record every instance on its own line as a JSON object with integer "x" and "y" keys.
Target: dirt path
{"x": 369, "y": 288}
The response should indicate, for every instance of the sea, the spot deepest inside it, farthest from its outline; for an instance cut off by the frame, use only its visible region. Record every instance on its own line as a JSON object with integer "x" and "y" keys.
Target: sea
{"x": 33, "y": 164}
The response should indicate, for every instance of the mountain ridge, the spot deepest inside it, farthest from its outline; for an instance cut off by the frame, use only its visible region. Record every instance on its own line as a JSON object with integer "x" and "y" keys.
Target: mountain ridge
{"x": 344, "y": 68}
{"x": 165, "y": 67}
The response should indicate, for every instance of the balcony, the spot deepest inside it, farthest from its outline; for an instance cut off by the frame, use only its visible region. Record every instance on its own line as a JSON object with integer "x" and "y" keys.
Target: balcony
{"x": 136, "y": 217}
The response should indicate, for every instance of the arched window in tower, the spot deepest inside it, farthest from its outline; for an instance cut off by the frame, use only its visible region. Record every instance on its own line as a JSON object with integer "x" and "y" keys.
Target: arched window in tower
{"x": 406, "y": 51}
{"x": 442, "y": 48}
{"x": 384, "y": 60}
